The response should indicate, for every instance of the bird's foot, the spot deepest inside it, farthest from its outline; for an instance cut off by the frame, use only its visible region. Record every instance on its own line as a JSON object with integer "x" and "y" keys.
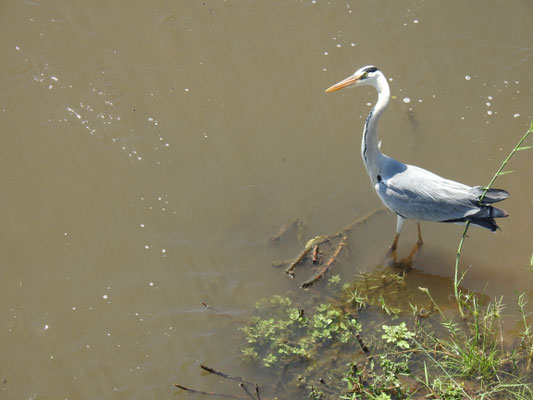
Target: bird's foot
{"x": 406, "y": 263}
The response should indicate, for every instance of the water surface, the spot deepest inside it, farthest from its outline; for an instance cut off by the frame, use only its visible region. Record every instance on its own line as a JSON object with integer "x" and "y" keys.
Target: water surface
{"x": 149, "y": 149}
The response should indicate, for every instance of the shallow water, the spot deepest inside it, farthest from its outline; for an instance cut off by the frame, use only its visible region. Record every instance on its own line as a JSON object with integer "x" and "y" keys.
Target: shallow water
{"x": 149, "y": 149}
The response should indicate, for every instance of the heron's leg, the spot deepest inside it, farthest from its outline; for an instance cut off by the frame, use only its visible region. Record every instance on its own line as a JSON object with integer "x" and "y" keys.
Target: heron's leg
{"x": 409, "y": 259}
{"x": 399, "y": 225}
{"x": 420, "y": 241}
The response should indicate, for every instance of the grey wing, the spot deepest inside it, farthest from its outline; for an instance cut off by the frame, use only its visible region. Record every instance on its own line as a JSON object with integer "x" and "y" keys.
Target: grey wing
{"x": 416, "y": 193}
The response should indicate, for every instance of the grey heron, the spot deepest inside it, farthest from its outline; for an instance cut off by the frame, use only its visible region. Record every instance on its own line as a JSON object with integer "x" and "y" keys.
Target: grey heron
{"x": 413, "y": 192}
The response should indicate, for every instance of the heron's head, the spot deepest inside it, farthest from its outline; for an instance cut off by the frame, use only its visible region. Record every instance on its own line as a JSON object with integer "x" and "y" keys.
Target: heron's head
{"x": 368, "y": 75}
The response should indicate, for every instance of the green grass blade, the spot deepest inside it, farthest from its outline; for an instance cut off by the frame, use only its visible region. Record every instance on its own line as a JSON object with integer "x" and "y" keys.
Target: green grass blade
{"x": 498, "y": 173}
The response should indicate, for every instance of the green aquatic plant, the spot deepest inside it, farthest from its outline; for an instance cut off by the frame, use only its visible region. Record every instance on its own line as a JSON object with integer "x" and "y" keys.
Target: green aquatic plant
{"x": 398, "y": 335}
{"x": 331, "y": 323}
{"x": 275, "y": 339}
{"x": 334, "y": 280}
{"x": 446, "y": 389}
{"x": 349, "y": 346}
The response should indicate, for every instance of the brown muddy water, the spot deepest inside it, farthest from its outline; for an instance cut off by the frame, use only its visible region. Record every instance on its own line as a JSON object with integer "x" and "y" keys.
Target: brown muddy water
{"x": 150, "y": 148}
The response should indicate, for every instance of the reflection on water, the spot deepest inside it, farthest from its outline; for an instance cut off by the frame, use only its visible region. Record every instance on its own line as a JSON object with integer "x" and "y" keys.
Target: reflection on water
{"x": 150, "y": 149}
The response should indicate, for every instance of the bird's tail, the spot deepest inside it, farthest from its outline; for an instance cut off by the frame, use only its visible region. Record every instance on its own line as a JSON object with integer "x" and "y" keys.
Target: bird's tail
{"x": 491, "y": 196}
{"x": 486, "y": 215}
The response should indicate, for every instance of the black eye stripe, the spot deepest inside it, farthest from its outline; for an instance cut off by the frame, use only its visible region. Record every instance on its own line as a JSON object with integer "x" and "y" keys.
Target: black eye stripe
{"x": 371, "y": 69}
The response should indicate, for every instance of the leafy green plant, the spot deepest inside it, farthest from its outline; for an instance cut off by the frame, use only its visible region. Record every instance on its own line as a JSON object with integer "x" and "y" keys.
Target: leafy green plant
{"x": 331, "y": 323}
{"x": 446, "y": 389}
{"x": 398, "y": 335}
{"x": 334, "y": 280}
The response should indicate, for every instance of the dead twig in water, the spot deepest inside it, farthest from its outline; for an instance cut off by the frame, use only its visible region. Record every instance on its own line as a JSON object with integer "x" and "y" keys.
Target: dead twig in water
{"x": 316, "y": 254}
{"x": 361, "y": 343}
{"x": 327, "y": 387}
{"x": 211, "y": 308}
{"x": 296, "y": 223}
{"x": 298, "y": 260}
{"x": 279, "y": 264}
{"x": 314, "y": 243}
{"x": 328, "y": 265}
{"x": 243, "y": 387}
{"x": 222, "y": 313}
{"x": 224, "y": 375}
{"x": 227, "y": 396}
{"x": 346, "y": 230}
{"x": 257, "y": 392}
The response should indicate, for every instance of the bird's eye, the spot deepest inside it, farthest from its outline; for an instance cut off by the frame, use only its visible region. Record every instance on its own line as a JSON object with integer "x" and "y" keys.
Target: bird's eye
{"x": 364, "y": 75}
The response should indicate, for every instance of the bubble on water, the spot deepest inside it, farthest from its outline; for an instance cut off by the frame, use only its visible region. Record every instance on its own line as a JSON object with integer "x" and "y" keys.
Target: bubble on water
{"x": 105, "y": 297}
{"x": 325, "y": 53}
{"x": 516, "y": 115}
{"x": 406, "y": 100}
{"x": 352, "y": 44}
{"x": 489, "y": 112}
{"x": 415, "y": 21}
{"x": 46, "y": 327}
{"x": 467, "y": 77}
{"x": 72, "y": 112}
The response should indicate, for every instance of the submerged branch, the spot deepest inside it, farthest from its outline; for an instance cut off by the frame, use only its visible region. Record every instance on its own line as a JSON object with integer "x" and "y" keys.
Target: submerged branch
{"x": 224, "y": 375}
{"x": 346, "y": 230}
{"x": 222, "y": 313}
{"x": 227, "y": 396}
{"x": 298, "y": 260}
{"x": 361, "y": 343}
{"x": 242, "y": 385}
{"x": 313, "y": 244}
{"x": 328, "y": 265}
{"x": 294, "y": 224}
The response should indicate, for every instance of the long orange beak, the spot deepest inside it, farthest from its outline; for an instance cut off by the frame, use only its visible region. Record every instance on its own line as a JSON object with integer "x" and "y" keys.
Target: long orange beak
{"x": 344, "y": 83}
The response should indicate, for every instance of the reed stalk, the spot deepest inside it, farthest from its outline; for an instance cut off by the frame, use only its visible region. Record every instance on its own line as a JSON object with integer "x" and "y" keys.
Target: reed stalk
{"x": 498, "y": 173}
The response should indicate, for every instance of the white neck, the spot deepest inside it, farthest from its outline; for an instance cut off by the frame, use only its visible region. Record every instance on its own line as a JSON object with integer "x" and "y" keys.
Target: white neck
{"x": 369, "y": 145}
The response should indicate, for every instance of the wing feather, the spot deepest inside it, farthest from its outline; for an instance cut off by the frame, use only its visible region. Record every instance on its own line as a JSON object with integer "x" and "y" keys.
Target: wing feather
{"x": 416, "y": 193}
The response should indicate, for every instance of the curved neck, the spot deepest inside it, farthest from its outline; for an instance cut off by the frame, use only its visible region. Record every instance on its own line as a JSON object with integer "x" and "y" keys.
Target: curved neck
{"x": 370, "y": 143}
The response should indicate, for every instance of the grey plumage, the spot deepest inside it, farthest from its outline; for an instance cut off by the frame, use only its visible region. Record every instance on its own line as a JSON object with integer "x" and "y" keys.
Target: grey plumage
{"x": 415, "y": 193}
